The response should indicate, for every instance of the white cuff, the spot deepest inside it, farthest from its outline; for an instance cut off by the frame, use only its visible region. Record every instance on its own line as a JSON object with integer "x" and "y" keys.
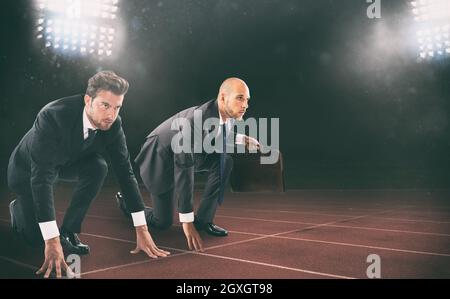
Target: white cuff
{"x": 240, "y": 139}
{"x": 139, "y": 218}
{"x": 187, "y": 218}
{"x": 49, "y": 230}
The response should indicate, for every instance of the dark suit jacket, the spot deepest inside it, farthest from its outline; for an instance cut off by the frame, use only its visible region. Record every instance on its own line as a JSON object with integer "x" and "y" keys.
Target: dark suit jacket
{"x": 55, "y": 141}
{"x": 163, "y": 170}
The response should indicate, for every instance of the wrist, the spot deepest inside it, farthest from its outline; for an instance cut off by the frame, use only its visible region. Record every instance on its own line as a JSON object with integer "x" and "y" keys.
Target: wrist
{"x": 52, "y": 241}
{"x": 141, "y": 228}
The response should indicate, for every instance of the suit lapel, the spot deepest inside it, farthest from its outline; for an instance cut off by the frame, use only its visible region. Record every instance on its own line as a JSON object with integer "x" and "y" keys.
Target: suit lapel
{"x": 210, "y": 110}
{"x": 77, "y": 138}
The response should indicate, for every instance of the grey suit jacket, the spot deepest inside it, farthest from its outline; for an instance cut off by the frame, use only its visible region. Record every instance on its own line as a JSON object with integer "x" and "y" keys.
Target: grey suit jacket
{"x": 162, "y": 170}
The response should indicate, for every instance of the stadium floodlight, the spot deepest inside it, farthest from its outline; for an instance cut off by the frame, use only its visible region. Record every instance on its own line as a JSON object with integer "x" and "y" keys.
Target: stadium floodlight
{"x": 84, "y": 27}
{"x": 429, "y": 10}
{"x": 434, "y": 41}
{"x": 433, "y": 19}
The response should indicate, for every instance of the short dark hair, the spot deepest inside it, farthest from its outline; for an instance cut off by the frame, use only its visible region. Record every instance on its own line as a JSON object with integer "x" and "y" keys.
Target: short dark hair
{"x": 107, "y": 81}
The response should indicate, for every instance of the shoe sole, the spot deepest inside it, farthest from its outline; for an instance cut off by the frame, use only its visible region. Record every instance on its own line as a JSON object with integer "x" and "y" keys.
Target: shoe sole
{"x": 13, "y": 224}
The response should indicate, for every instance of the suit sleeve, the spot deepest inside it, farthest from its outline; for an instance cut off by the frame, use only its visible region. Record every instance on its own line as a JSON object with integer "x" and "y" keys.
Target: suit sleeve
{"x": 44, "y": 153}
{"x": 184, "y": 169}
{"x": 120, "y": 160}
{"x": 184, "y": 182}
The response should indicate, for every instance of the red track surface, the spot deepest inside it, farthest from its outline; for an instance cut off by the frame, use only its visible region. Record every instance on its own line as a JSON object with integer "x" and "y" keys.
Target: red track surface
{"x": 300, "y": 234}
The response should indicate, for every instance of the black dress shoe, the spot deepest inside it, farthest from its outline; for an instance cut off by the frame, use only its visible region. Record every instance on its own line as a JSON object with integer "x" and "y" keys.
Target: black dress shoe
{"x": 71, "y": 244}
{"x": 121, "y": 203}
{"x": 214, "y": 230}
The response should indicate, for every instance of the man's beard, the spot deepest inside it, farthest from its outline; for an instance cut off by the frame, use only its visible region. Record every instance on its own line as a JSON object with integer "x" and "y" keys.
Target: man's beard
{"x": 229, "y": 114}
{"x": 96, "y": 124}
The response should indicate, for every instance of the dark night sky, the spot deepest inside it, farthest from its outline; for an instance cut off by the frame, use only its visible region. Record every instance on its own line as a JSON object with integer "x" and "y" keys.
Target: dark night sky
{"x": 356, "y": 108}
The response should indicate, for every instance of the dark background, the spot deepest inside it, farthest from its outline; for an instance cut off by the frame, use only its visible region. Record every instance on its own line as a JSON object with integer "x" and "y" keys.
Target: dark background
{"x": 356, "y": 107}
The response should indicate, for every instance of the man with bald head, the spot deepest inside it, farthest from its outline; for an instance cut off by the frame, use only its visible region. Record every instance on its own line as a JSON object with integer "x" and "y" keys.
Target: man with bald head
{"x": 168, "y": 173}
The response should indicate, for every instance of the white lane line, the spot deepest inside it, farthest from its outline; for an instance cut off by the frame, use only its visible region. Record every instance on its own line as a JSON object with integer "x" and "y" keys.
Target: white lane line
{"x": 344, "y": 215}
{"x": 279, "y": 235}
{"x": 336, "y": 215}
{"x": 215, "y": 256}
{"x": 251, "y": 210}
{"x": 183, "y": 252}
{"x": 410, "y": 220}
{"x": 334, "y": 225}
{"x": 333, "y": 212}
{"x": 276, "y": 266}
{"x": 123, "y": 219}
{"x": 309, "y": 223}
{"x": 367, "y": 246}
{"x": 233, "y": 243}
{"x": 237, "y": 242}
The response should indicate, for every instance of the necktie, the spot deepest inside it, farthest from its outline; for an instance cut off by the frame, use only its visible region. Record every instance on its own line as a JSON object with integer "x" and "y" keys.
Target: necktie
{"x": 222, "y": 164}
{"x": 90, "y": 140}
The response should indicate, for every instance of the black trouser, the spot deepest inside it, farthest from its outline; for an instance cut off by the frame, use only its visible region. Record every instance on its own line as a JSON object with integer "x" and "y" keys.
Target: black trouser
{"x": 161, "y": 214}
{"x": 89, "y": 174}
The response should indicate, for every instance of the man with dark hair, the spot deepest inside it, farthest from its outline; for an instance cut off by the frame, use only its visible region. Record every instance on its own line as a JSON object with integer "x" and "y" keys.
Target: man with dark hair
{"x": 66, "y": 140}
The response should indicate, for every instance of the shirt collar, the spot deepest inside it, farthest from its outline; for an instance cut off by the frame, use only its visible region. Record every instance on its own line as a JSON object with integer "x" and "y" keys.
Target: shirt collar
{"x": 86, "y": 123}
{"x": 228, "y": 122}
{"x": 221, "y": 119}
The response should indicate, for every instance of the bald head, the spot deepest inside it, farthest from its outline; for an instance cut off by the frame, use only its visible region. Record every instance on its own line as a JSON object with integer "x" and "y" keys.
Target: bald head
{"x": 233, "y": 98}
{"x": 231, "y": 84}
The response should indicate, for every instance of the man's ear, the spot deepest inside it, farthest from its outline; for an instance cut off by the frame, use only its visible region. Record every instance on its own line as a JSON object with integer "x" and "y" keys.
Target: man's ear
{"x": 87, "y": 100}
{"x": 222, "y": 97}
